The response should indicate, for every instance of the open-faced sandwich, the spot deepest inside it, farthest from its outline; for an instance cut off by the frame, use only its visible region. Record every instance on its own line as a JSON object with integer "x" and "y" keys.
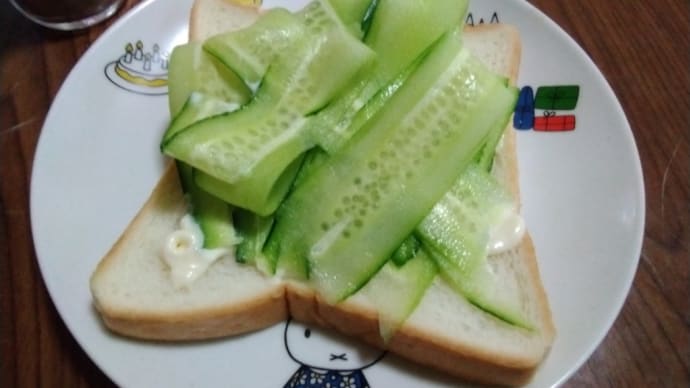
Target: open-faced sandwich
{"x": 348, "y": 165}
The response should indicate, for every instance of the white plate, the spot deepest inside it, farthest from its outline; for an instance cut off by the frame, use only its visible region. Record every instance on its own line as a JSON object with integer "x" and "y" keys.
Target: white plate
{"x": 98, "y": 159}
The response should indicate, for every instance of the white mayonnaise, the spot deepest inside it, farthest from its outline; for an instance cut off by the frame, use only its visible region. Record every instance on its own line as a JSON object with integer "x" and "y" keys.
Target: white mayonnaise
{"x": 183, "y": 252}
{"x": 506, "y": 232}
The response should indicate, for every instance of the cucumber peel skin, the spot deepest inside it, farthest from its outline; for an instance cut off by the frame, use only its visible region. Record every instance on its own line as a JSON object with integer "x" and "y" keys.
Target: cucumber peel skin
{"x": 482, "y": 288}
{"x": 313, "y": 159}
{"x": 213, "y": 216}
{"x": 253, "y": 229}
{"x": 406, "y": 251}
{"x": 197, "y": 107}
{"x": 352, "y": 13}
{"x": 348, "y": 238}
{"x": 368, "y": 18}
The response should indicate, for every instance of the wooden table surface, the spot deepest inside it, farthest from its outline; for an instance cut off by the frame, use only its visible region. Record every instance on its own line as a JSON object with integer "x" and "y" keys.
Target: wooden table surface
{"x": 642, "y": 48}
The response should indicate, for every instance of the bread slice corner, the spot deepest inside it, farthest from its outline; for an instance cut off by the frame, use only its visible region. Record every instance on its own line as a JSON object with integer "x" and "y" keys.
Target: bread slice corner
{"x": 211, "y": 17}
{"x": 135, "y": 296}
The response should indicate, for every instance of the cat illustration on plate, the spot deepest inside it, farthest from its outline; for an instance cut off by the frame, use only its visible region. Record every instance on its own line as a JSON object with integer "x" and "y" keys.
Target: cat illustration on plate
{"x": 327, "y": 360}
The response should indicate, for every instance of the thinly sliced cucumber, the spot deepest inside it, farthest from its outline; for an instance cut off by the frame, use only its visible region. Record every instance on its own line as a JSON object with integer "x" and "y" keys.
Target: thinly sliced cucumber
{"x": 435, "y": 122}
{"x": 206, "y": 88}
{"x": 456, "y": 233}
{"x": 483, "y": 288}
{"x": 252, "y": 50}
{"x": 458, "y": 225}
{"x": 249, "y": 51}
{"x": 320, "y": 16}
{"x": 222, "y": 145}
{"x": 338, "y": 122}
{"x": 313, "y": 159}
{"x": 250, "y": 193}
{"x": 318, "y": 70}
{"x": 401, "y": 30}
{"x": 486, "y": 158}
{"x": 193, "y": 70}
{"x": 321, "y": 231}
{"x": 297, "y": 268}
{"x": 397, "y": 290}
{"x": 213, "y": 215}
{"x": 406, "y": 251}
{"x": 198, "y": 107}
{"x": 396, "y": 48}
{"x": 352, "y": 13}
{"x": 254, "y": 230}
{"x": 250, "y": 148}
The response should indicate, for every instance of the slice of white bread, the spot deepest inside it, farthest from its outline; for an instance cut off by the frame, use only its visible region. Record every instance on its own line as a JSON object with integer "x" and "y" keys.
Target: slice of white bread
{"x": 133, "y": 292}
{"x": 211, "y": 17}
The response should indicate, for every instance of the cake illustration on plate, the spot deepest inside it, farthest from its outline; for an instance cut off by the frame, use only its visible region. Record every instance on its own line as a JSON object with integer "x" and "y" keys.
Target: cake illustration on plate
{"x": 139, "y": 70}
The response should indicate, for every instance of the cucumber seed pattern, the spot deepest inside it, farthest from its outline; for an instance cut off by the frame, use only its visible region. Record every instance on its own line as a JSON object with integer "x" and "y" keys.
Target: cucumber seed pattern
{"x": 428, "y": 126}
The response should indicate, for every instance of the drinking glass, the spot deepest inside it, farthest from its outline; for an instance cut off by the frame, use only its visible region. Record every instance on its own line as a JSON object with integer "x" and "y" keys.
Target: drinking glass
{"x": 67, "y": 14}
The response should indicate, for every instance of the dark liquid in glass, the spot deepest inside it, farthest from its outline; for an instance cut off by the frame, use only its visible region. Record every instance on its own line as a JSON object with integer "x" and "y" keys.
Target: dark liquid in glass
{"x": 60, "y": 11}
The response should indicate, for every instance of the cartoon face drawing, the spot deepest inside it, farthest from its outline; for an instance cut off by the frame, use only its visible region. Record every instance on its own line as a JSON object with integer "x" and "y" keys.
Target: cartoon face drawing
{"x": 327, "y": 359}
{"x": 319, "y": 349}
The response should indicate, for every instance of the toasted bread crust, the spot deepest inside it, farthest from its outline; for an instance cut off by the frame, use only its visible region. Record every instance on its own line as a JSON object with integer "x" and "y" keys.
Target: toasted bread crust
{"x": 263, "y": 311}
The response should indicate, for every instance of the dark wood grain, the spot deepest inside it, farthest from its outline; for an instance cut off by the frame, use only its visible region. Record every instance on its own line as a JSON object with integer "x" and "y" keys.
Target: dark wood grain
{"x": 641, "y": 47}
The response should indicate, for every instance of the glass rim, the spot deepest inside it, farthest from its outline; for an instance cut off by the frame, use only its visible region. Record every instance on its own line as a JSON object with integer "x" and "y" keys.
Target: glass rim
{"x": 72, "y": 24}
